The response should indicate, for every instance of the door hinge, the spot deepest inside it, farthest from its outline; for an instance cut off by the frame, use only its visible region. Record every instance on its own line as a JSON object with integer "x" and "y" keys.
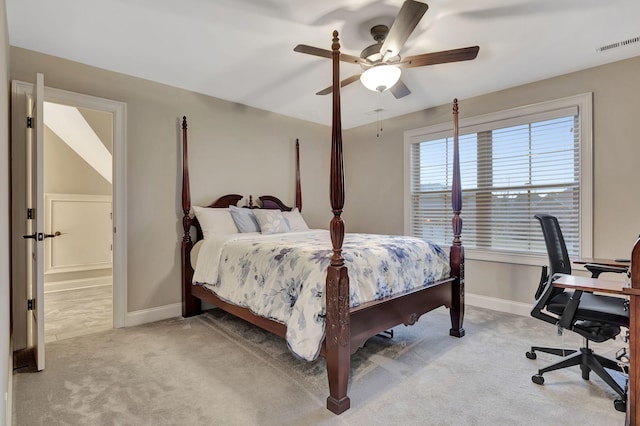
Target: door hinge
{"x": 29, "y": 122}
{"x": 31, "y": 304}
{"x": 29, "y": 213}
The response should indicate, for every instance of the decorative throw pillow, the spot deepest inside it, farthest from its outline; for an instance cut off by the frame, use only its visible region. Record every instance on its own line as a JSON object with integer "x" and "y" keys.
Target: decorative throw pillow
{"x": 295, "y": 220}
{"x": 271, "y": 221}
{"x": 244, "y": 219}
{"x": 215, "y": 221}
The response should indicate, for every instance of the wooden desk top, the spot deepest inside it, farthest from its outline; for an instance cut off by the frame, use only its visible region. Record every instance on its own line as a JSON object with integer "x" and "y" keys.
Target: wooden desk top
{"x": 590, "y": 284}
{"x": 598, "y": 285}
{"x": 608, "y": 262}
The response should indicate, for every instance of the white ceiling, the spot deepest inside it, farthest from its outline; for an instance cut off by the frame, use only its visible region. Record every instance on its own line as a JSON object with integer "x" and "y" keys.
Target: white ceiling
{"x": 242, "y": 50}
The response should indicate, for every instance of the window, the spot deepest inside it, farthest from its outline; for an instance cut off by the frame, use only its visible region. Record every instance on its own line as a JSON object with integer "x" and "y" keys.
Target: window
{"x": 513, "y": 164}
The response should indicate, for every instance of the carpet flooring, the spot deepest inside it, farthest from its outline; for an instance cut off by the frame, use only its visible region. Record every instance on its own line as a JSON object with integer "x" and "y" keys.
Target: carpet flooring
{"x": 215, "y": 369}
{"x": 77, "y": 312}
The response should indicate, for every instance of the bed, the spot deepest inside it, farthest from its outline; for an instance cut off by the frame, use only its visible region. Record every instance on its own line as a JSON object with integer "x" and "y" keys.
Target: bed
{"x": 346, "y": 325}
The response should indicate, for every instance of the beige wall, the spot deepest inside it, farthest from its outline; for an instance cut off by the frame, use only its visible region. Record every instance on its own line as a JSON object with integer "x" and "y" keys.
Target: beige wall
{"x": 375, "y": 168}
{"x": 65, "y": 172}
{"x": 6, "y": 360}
{"x": 102, "y": 124}
{"x": 232, "y": 148}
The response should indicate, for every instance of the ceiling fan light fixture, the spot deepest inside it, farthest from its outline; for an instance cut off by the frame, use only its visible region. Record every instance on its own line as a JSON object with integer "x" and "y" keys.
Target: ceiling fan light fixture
{"x": 380, "y": 77}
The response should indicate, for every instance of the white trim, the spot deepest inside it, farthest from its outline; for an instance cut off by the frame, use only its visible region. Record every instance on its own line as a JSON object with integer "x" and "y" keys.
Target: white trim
{"x": 505, "y": 257}
{"x": 144, "y": 316}
{"x": 56, "y": 286}
{"x": 500, "y": 305}
{"x": 584, "y": 103}
{"x": 408, "y": 141}
{"x": 119, "y": 111}
{"x": 49, "y": 201}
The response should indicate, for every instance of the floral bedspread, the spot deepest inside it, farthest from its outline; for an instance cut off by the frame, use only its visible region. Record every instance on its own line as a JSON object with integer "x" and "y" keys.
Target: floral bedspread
{"x": 282, "y": 276}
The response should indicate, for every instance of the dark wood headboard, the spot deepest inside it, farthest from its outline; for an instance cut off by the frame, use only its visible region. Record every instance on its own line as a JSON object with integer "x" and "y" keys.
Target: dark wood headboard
{"x": 267, "y": 202}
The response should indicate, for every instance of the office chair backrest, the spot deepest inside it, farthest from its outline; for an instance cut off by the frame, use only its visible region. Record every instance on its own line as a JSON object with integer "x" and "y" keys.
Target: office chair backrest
{"x": 559, "y": 263}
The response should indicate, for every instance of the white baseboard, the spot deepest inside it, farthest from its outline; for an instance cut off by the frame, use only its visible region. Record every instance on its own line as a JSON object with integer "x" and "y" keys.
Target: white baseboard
{"x": 77, "y": 284}
{"x": 501, "y": 305}
{"x": 144, "y": 316}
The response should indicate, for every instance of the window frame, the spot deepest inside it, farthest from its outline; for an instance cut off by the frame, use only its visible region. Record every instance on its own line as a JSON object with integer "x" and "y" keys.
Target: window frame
{"x": 583, "y": 102}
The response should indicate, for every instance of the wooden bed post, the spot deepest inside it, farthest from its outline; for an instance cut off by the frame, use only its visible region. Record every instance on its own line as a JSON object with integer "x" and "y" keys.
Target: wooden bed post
{"x": 298, "y": 186}
{"x": 338, "y": 351}
{"x": 190, "y": 304}
{"x": 457, "y": 250}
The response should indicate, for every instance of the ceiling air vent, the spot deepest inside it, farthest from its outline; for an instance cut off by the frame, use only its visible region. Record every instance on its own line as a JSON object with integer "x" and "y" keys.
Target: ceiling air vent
{"x": 618, "y": 44}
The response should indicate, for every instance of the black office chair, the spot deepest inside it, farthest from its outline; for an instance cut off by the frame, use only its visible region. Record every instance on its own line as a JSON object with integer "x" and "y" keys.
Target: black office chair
{"x": 595, "y": 317}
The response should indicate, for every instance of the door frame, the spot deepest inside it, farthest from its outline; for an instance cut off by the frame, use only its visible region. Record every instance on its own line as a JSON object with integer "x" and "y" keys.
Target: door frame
{"x": 119, "y": 194}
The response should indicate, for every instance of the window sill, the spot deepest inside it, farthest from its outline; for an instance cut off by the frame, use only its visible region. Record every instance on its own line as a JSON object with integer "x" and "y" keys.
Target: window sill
{"x": 506, "y": 257}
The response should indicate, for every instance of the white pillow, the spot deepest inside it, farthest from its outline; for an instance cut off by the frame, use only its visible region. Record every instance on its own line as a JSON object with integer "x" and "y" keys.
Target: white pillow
{"x": 295, "y": 220}
{"x": 271, "y": 221}
{"x": 215, "y": 221}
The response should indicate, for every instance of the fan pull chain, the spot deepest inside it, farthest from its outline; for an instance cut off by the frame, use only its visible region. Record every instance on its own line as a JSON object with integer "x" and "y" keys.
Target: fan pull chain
{"x": 378, "y": 121}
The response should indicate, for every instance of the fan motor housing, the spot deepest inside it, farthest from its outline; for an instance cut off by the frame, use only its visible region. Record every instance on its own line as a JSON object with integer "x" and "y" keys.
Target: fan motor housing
{"x": 372, "y": 53}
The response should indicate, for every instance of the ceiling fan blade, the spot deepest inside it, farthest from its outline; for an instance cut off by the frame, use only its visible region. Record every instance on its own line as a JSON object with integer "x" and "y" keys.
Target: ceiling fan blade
{"x": 454, "y": 55}
{"x": 316, "y": 51}
{"x": 343, "y": 83}
{"x": 408, "y": 17}
{"x": 400, "y": 90}
{"x": 310, "y": 50}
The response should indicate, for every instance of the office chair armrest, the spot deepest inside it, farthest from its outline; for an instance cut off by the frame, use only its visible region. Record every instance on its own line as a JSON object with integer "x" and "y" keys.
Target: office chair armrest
{"x": 570, "y": 309}
{"x": 566, "y": 319}
{"x": 597, "y": 269}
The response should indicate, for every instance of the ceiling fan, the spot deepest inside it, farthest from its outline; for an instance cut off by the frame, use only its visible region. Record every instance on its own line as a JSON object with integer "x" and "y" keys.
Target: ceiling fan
{"x": 381, "y": 61}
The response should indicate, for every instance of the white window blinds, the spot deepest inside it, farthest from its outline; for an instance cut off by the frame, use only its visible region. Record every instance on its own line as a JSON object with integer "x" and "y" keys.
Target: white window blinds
{"x": 511, "y": 169}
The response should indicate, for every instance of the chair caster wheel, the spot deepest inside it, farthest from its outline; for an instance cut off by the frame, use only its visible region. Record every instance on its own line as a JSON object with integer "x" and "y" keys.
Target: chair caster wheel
{"x": 538, "y": 379}
{"x": 531, "y": 355}
{"x": 620, "y": 405}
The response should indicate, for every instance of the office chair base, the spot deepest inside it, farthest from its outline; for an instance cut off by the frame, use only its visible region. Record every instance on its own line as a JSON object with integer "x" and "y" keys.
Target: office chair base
{"x": 588, "y": 361}
{"x": 537, "y": 379}
{"x": 553, "y": 351}
{"x": 618, "y": 404}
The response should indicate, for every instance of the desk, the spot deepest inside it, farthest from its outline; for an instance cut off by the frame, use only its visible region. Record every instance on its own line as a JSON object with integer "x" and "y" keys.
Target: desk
{"x": 599, "y": 266}
{"x": 607, "y": 262}
{"x": 599, "y": 285}
{"x": 623, "y": 289}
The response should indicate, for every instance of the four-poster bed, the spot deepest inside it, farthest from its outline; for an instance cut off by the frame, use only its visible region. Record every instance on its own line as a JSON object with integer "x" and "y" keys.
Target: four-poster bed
{"x": 347, "y": 327}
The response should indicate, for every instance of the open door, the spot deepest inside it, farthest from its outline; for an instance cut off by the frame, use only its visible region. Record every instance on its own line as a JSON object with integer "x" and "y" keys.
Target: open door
{"x": 35, "y": 221}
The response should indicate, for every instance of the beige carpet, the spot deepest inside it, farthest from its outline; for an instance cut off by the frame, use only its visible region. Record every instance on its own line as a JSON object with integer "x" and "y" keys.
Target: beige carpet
{"x": 217, "y": 370}
{"x": 73, "y": 313}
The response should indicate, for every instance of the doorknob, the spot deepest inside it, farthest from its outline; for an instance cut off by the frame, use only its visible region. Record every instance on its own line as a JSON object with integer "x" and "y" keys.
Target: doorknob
{"x": 40, "y": 236}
